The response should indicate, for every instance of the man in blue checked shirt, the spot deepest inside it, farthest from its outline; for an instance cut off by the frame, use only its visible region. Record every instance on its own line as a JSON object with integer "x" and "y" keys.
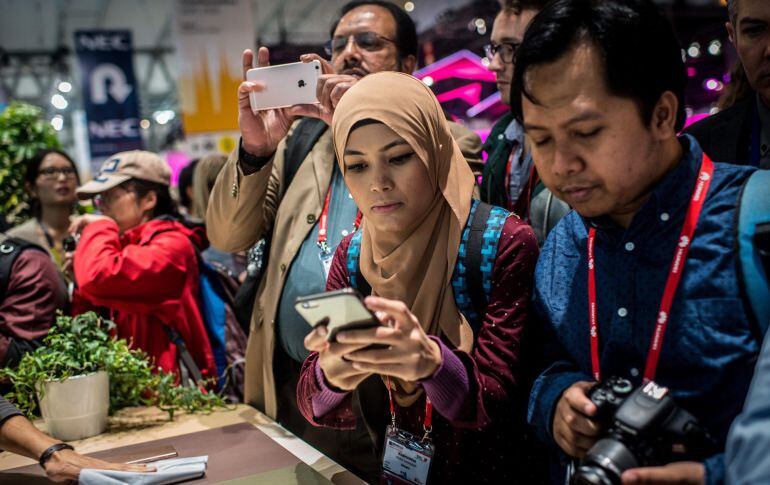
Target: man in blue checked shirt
{"x": 659, "y": 296}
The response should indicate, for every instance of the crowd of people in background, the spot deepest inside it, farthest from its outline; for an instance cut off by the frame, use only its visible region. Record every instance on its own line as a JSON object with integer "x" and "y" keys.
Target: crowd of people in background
{"x": 602, "y": 248}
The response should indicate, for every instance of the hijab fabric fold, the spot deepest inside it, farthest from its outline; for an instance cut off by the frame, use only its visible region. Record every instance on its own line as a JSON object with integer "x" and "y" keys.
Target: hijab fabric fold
{"x": 414, "y": 264}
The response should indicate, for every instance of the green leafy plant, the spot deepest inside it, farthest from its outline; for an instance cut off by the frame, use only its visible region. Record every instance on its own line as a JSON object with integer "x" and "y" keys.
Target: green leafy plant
{"x": 82, "y": 345}
{"x": 23, "y": 132}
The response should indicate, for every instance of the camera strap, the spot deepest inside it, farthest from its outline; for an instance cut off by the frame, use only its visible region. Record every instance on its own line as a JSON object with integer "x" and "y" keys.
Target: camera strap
{"x": 672, "y": 282}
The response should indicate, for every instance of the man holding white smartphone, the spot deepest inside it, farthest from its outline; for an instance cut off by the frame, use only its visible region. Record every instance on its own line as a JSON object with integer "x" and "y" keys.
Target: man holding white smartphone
{"x": 283, "y": 184}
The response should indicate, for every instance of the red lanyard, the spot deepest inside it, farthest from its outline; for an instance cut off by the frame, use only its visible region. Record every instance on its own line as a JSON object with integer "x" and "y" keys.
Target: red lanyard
{"x": 427, "y": 422}
{"x": 323, "y": 222}
{"x": 672, "y": 283}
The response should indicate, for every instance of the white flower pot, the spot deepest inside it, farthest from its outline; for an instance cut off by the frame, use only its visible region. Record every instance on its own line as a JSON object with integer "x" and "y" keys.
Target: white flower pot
{"x": 77, "y": 407}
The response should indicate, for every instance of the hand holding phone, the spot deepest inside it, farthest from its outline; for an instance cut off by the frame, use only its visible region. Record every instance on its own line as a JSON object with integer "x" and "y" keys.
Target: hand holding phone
{"x": 284, "y": 85}
{"x": 338, "y": 310}
{"x": 261, "y": 131}
{"x": 328, "y": 314}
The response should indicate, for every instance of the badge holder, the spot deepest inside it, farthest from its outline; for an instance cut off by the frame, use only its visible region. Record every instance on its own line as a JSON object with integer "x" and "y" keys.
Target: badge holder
{"x": 326, "y": 256}
{"x": 407, "y": 458}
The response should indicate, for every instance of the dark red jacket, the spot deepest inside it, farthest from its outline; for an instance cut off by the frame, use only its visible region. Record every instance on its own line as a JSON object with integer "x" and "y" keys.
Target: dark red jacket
{"x": 148, "y": 277}
{"x": 487, "y": 443}
{"x": 34, "y": 294}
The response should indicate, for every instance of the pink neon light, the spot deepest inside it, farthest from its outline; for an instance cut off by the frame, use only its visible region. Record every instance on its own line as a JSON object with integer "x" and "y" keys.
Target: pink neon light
{"x": 695, "y": 118}
{"x": 176, "y": 161}
{"x": 470, "y": 93}
{"x": 463, "y": 64}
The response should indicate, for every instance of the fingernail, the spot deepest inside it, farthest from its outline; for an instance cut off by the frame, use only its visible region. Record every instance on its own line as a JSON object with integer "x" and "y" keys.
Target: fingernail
{"x": 342, "y": 337}
{"x": 322, "y": 331}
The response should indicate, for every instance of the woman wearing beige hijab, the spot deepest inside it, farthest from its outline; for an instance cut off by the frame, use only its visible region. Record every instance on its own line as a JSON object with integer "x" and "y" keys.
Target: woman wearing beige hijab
{"x": 441, "y": 360}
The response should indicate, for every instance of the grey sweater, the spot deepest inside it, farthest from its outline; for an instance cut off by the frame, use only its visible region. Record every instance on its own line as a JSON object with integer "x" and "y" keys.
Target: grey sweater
{"x": 6, "y": 410}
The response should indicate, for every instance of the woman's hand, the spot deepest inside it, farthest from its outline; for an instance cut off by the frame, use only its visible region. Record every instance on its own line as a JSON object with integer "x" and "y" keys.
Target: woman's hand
{"x": 79, "y": 223}
{"x": 410, "y": 355}
{"x": 331, "y": 357}
{"x": 65, "y": 466}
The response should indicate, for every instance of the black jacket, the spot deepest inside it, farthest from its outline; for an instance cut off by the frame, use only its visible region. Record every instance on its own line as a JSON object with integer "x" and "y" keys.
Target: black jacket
{"x": 726, "y": 136}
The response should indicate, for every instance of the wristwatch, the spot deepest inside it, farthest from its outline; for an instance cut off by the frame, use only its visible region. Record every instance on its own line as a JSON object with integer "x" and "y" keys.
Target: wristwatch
{"x": 48, "y": 453}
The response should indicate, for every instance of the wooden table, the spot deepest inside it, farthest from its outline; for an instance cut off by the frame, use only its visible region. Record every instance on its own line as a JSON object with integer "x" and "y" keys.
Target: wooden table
{"x": 141, "y": 425}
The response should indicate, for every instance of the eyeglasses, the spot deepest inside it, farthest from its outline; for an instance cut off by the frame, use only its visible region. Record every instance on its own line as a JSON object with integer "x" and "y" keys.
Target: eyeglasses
{"x": 368, "y": 41}
{"x": 506, "y": 50}
{"x": 52, "y": 173}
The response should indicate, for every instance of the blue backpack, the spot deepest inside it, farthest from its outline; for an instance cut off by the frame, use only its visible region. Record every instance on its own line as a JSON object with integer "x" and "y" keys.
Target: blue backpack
{"x": 227, "y": 338}
{"x": 472, "y": 277}
{"x": 754, "y": 246}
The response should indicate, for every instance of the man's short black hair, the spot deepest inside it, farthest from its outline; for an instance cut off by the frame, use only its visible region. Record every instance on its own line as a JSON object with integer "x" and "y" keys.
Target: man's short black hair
{"x": 406, "y": 32}
{"x": 517, "y": 6}
{"x": 185, "y": 181}
{"x": 642, "y": 55}
{"x": 732, "y": 11}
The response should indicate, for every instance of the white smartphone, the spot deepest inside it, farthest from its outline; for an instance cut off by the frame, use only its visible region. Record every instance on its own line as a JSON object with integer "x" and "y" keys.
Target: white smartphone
{"x": 285, "y": 85}
{"x": 339, "y": 310}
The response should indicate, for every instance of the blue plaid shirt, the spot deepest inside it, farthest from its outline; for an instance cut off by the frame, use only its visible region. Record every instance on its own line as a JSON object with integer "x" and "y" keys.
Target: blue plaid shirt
{"x": 710, "y": 345}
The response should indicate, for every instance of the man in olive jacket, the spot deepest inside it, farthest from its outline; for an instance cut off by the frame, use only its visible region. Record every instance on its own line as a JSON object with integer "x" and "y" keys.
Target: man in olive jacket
{"x": 251, "y": 200}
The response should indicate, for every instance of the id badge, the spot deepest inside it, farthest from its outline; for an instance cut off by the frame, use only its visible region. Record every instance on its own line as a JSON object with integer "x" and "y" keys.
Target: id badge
{"x": 406, "y": 459}
{"x": 326, "y": 262}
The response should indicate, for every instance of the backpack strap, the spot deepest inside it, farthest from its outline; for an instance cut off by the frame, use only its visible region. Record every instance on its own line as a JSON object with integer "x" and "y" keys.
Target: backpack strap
{"x": 299, "y": 145}
{"x": 357, "y": 279}
{"x": 475, "y": 281}
{"x": 184, "y": 355}
{"x": 754, "y": 245}
{"x": 472, "y": 277}
{"x": 10, "y": 249}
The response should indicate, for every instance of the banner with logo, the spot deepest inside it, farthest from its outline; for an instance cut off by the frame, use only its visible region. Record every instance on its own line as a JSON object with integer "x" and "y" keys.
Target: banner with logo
{"x": 210, "y": 39}
{"x": 110, "y": 91}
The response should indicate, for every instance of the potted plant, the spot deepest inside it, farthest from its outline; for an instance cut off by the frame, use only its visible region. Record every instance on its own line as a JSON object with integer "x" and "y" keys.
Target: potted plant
{"x": 23, "y": 132}
{"x": 82, "y": 373}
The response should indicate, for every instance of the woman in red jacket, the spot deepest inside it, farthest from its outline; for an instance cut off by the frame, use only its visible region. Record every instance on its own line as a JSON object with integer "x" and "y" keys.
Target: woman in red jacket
{"x": 141, "y": 264}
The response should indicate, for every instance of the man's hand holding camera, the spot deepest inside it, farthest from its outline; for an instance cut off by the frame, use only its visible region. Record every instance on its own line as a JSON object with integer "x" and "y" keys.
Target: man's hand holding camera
{"x": 576, "y": 430}
{"x": 573, "y": 429}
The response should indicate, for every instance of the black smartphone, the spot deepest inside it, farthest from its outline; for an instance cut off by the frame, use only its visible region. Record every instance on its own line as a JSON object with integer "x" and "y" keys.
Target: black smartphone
{"x": 338, "y": 310}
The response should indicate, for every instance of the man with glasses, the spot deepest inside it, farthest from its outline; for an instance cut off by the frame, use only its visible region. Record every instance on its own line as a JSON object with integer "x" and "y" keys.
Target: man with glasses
{"x": 509, "y": 179}
{"x": 283, "y": 184}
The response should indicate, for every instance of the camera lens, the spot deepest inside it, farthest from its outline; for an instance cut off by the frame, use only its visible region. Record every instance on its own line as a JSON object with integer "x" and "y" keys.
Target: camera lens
{"x": 604, "y": 463}
{"x": 69, "y": 244}
{"x": 591, "y": 475}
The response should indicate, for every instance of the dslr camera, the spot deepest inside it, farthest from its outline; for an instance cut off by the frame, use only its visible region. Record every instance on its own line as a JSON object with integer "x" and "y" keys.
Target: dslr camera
{"x": 644, "y": 427}
{"x": 70, "y": 243}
